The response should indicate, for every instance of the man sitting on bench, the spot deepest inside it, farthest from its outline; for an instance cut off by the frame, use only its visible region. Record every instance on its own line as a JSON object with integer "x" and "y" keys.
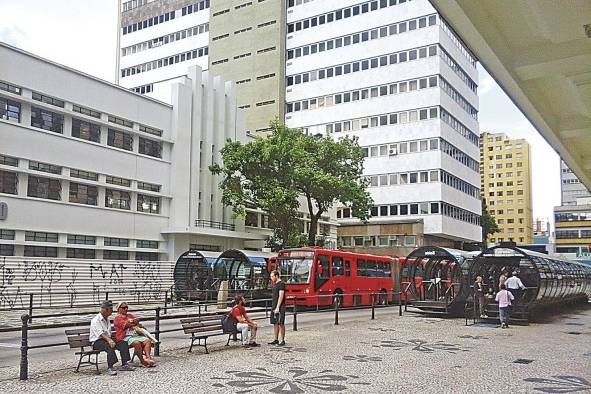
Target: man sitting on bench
{"x": 100, "y": 338}
{"x": 245, "y": 325}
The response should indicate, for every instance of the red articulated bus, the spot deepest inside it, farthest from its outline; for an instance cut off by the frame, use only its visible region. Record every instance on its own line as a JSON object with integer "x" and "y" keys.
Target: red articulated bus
{"x": 320, "y": 277}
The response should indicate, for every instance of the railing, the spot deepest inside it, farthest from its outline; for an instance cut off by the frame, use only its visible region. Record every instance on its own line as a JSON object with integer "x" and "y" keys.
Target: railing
{"x": 216, "y": 225}
{"x": 158, "y": 316}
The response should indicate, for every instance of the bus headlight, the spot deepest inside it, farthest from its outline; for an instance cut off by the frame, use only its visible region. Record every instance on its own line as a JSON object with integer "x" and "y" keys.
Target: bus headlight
{"x": 307, "y": 291}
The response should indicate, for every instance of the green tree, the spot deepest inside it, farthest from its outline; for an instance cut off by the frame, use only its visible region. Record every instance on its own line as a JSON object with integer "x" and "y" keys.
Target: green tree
{"x": 273, "y": 173}
{"x": 489, "y": 224}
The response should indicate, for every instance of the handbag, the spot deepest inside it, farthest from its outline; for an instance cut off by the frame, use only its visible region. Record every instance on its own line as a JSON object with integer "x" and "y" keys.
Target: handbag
{"x": 229, "y": 324}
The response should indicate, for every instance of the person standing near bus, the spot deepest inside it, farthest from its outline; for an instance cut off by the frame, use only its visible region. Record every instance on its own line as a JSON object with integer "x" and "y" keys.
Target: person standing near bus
{"x": 278, "y": 309}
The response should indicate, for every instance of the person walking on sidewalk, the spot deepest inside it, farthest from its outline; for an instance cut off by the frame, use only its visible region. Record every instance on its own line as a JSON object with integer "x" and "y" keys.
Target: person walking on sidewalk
{"x": 245, "y": 324}
{"x": 100, "y": 338}
{"x": 278, "y": 309}
{"x": 504, "y": 299}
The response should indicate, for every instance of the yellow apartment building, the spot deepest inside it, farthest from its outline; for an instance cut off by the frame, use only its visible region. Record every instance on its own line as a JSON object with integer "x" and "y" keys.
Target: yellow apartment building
{"x": 505, "y": 175}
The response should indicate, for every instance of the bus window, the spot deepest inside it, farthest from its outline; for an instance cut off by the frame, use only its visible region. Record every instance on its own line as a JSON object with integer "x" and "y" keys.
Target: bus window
{"x": 347, "y": 268}
{"x": 361, "y": 268}
{"x": 371, "y": 269}
{"x": 337, "y": 266}
{"x": 322, "y": 268}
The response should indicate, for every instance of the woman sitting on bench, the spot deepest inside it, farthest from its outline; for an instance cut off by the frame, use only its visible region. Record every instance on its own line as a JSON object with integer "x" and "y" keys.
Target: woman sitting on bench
{"x": 127, "y": 328}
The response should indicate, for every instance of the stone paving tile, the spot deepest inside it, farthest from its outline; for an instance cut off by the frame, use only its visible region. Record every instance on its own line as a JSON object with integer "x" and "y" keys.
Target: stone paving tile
{"x": 386, "y": 355}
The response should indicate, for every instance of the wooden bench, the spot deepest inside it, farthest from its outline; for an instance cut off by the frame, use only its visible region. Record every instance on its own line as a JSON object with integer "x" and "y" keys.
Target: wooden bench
{"x": 204, "y": 327}
{"x": 79, "y": 338}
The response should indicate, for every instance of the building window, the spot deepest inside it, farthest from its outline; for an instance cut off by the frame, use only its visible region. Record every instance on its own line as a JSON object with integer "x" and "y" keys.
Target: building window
{"x": 8, "y": 182}
{"x": 6, "y": 250}
{"x": 81, "y": 239}
{"x": 118, "y": 199}
{"x": 40, "y": 251}
{"x": 47, "y": 120}
{"x": 39, "y": 236}
{"x": 86, "y": 111}
{"x": 115, "y": 255}
{"x": 119, "y": 242}
{"x": 150, "y": 130}
{"x": 148, "y": 204}
{"x": 252, "y": 219}
{"x": 91, "y": 176}
{"x": 150, "y": 147}
{"x": 146, "y": 256}
{"x": 6, "y": 234}
{"x": 148, "y": 186}
{"x": 113, "y": 180}
{"x": 73, "y": 253}
{"x": 10, "y": 110}
{"x": 205, "y": 248}
{"x": 83, "y": 194}
{"x": 9, "y": 161}
{"x": 120, "y": 121}
{"x": 146, "y": 244}
{"x": 119, "y": 139}
{"x": 48, "y": 100}
{"x": 86, "y": 130}
{"x": 39, "y": 187}
{"x": 44, "y": 167}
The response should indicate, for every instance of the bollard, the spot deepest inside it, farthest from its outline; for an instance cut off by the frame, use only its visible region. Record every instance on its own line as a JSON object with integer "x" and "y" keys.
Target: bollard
{"x": 106, "y": 296}
{"x": 165, "y": 302}
{"x": 400, "y": 304}
{"x": 336, "y": 313}
{"x": 157, "y": 333}
{"x": 373, "y": 307}
{"x": 295, "y": 316}
{"x": 24, "y": 368}
{"x": 30, "y": 308}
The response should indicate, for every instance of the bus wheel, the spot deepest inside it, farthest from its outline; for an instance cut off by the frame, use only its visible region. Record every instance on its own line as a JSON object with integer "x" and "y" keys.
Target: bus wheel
{"x": 337, "y": 299}
{"x": 383, "y": 297}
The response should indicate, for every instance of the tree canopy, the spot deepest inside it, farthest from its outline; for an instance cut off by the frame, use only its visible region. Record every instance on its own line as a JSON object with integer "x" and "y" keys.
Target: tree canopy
{"x": 273, "y": 173}
{"x": 489, "y": 224}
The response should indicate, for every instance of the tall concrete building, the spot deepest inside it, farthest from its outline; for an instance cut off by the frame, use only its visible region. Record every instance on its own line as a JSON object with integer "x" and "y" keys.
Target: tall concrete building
{"x": 243, "y": 41}
{"x": 570, "y": 186}
{"x": 158, "y": 40}
{"x": 127, "y": 171}
{"x": 394, "y": 75}
{"x": 247, "y": 45}
{"x": 505, "y": 172}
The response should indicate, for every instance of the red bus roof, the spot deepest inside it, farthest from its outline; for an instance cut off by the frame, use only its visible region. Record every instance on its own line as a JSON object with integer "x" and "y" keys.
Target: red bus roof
{"x": 317, "y": 250}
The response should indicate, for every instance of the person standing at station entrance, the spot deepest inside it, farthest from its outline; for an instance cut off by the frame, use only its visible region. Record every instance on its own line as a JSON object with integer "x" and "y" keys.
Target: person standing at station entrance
{"x": 278, "y": 309}
{"x": 515, "y": 286}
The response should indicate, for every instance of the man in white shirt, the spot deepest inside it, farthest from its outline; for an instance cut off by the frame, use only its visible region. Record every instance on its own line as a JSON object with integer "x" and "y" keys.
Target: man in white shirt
{"x": 100, "y": 338}
{"x": 515, "y": 286}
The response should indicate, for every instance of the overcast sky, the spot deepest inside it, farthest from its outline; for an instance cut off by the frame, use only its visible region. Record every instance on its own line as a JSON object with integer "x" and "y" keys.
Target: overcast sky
{"x": 82, "y": 34}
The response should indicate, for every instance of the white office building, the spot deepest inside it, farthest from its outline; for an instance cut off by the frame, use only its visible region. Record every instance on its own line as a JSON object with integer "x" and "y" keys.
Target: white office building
{"x": 571, "y": 187}
{"x": 392, "y": 74}
{"x": 91, "y": 170}
{"x": 158, "y": 41}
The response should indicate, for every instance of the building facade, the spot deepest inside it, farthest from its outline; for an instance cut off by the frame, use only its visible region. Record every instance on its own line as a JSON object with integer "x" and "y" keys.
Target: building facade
{"x": 90, "y": 170}
{"x": 393, "y": 75}
{"x": 158, "y": 40}
{"x": 247, "y": 45}
{"x": 571, "y": 187}
{"x": 573, "y": 229}
{"x": 506, "y": 186}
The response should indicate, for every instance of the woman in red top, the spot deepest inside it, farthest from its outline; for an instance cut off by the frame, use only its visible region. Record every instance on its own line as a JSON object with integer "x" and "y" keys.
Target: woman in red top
{"x": 126, "y": 329}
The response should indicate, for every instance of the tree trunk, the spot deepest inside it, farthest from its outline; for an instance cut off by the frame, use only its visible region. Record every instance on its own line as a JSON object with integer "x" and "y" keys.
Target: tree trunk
{"x": 313, "y": 230}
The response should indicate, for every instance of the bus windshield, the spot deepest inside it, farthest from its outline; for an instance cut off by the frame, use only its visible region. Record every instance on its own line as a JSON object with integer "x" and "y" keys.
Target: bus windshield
{"x": 295, "y": 270}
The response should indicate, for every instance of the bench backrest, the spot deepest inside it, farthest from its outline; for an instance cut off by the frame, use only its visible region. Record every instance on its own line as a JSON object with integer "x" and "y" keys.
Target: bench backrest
{"x": 78, "y": 337}
{"x": 202, "y": 324}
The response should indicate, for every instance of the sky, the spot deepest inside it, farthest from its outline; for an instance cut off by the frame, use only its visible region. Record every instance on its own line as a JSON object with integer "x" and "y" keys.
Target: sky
{"x": 82, "y": 34}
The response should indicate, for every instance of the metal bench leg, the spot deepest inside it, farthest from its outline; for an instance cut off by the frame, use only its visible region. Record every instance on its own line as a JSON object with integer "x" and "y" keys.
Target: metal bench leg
{"x": 229, "y": 337}
{"x": 79, "y": 362}
{"x": 192, "y": 343}
{"x": 205, "y": 345}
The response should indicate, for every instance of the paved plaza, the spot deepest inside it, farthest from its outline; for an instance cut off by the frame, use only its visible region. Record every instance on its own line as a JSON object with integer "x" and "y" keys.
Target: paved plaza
{"x": 390, "y": 354}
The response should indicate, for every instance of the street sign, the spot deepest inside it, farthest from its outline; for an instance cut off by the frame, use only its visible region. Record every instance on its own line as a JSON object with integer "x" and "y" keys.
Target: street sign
{"x": 3, "y": 211}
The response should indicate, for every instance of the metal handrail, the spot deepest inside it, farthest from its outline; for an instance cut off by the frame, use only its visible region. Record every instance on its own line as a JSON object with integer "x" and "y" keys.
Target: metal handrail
{"x": 216, "y": 225}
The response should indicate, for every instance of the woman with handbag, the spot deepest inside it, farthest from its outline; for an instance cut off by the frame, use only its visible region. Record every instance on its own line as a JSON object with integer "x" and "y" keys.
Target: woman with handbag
{"x": 127, "y": 328}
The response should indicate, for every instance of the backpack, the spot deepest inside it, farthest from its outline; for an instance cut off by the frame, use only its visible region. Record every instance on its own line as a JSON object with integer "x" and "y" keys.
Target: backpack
{"x": 229, "y": 324}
